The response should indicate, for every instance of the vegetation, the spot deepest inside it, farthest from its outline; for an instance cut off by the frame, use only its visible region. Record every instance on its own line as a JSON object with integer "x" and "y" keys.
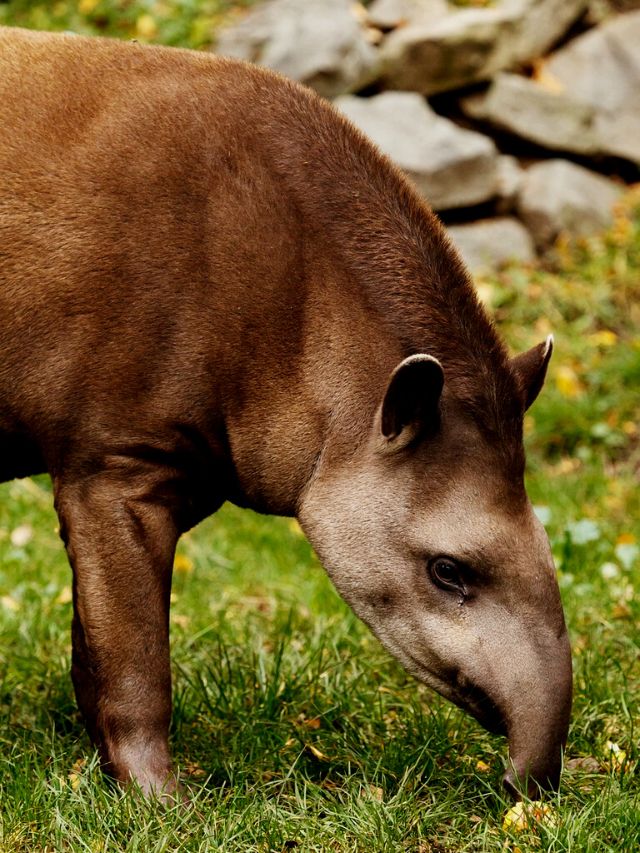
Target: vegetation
{"x": 293, "y": 729}
{"x": 184, "y": 23}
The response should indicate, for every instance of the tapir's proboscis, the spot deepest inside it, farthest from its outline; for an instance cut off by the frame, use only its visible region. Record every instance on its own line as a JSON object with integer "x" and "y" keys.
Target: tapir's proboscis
{"x": 214, "y": 288}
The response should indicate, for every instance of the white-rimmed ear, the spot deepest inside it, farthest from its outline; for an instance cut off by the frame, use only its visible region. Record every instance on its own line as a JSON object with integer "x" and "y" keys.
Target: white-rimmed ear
{"x": 411, "y": 402}
{"x": 531, "y": 369}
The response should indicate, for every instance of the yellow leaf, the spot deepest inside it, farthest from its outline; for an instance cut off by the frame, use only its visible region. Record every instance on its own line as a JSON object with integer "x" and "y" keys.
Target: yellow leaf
{"x": 85, "y": 7}
{"x": 315, "y": 751}
{"x": 146, "y": 27}
{"x": 75, "y": 774}
{"x": 65, "y": 596}
{"x": 10, "y": 603}
{"x": 523, "y": 816}
{"x": 567, "y": 381}
{"x": 294, "y": 527}
{"x": 482, "y": 767}
{"x": 545, "y": 78}
{"x": 617, "y": 756}
{"x": 603, "y": 338}
{"x": 182, "y": 564}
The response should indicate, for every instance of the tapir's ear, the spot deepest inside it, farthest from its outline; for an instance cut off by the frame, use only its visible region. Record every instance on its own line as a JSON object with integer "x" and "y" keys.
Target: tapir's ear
{"x": 411, "y": 402}
{"x": 531, "y": 369}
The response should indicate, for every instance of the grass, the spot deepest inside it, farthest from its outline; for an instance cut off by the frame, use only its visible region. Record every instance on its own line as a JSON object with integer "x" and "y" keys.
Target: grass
{"x": 292, "y": 728}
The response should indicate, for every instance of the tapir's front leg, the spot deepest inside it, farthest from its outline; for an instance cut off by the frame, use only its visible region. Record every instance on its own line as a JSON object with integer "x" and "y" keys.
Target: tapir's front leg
{"x": 120, "y": 536}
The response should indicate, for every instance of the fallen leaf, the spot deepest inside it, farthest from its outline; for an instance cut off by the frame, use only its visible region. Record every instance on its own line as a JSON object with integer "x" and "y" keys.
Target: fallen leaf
{"x": 146, "y": 27}
{"x": 523, "y": 816}
{"x": 182, "y": 564}
{"x": 482, "y": 767}
{"x": 621, "y": 610}
{"x": 584, "y": 764}
{"x": 10, "y": 603}
{"x": 75, "y": 774}
{"x": 545, "y": 78}
{"x": 315, "y": 751}
{"x": 192, "y": 768}
{"x": 603, "y": 338}
{"x": 616, "y": 755}
{"x": 65, "y": 596}
{"x": 294, "y": 527}
{"x": 567, "y": 382}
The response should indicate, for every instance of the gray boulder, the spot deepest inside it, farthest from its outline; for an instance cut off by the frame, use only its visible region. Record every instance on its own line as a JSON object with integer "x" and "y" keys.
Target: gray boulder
{"x": 490, "y": 244}
{"x": 389, "y": 14}
{"x": 587, "y": 100}
{"x": 559, "y": 197}
{"x": 471, "y": 45}
{"x": 510, "y": 175}
{"x": 602, "y": 66}
{"x": 542, "y": 23}
{"x": 602, "y": 69}
{"x": 532, "y": 111}
{"x": 450, "y": 166}
{"x": 321, "y": 43}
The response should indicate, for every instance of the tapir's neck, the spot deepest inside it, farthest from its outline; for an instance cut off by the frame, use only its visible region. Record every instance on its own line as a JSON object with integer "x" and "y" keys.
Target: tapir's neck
{"x": 369, "y": 277}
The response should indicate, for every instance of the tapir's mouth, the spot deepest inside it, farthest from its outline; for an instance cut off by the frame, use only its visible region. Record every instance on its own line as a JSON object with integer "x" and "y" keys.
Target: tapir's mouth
{"x": 466, "y": 695}
{"x": 479, "y": 705}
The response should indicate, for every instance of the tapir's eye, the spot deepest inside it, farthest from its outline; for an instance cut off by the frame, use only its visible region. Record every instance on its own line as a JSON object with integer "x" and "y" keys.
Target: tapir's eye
{"x": 446, "y": 574}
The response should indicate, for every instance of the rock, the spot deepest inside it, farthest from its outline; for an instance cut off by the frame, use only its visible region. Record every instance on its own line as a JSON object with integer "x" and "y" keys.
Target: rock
{"x": 389, "y": 14}
{"x": 472, "y": 45}
{"x": 558, "y": 196}
{"x": 490, "y": 244}
{"x": 532, "y": 111}
{"x": 619, "y": 133}
{"x": 584, "y": 100}
{"x": 602, "y": 66}
{"x": 464, "y": 47}
{"x": 602, "y": 69}
{"x": 450, "y": 166}
{"x": 543, "y": 23}
{"x": 321, "y": 43}
{"x": 510, "y": 175}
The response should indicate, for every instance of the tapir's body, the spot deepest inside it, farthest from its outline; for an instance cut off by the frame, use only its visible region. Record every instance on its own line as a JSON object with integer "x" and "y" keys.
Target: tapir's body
{"x": 214, "y": 288}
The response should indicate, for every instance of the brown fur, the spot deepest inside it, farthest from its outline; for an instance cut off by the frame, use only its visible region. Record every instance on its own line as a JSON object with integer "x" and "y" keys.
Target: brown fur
{"x": 207, "y": 277}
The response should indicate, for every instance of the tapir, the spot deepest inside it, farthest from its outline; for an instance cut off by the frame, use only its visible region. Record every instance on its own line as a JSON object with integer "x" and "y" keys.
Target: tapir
{"x": 214, "y": 288}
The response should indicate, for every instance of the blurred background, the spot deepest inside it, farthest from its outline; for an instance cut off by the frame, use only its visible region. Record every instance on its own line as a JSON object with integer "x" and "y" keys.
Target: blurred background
{"x": 518, "y": 120}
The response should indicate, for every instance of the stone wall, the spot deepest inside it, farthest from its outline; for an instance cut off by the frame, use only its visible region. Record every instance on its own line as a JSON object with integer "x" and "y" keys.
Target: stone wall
{"x": 518, "y": 120}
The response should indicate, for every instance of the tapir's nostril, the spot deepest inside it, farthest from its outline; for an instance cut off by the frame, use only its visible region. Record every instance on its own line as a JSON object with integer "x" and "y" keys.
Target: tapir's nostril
{"x": 532, "y": 786}
{"x": 510, "y": 782}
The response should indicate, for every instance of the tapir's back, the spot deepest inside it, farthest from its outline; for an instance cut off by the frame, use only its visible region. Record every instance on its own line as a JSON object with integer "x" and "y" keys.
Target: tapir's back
{"x": 132, "y": 223}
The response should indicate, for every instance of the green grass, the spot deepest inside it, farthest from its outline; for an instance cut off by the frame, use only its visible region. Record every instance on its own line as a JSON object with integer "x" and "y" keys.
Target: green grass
{"x": 292, "y": 728}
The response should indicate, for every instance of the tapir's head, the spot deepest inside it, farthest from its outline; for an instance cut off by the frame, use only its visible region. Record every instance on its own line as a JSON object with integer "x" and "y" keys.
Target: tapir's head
{"x": 428, "y": 533}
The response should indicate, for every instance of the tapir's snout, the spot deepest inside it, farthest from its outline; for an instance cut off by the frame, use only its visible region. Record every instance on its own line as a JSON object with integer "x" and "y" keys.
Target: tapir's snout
{"x": 537, "y": 730}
